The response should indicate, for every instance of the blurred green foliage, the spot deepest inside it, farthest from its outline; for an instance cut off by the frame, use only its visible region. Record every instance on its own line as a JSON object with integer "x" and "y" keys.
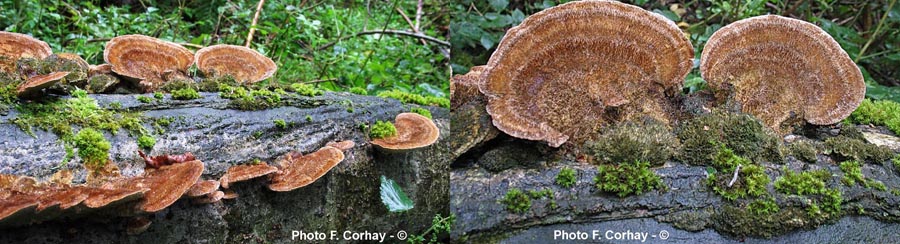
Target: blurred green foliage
{"x": 868, "y": 30}
{"x": 310, "y": 40}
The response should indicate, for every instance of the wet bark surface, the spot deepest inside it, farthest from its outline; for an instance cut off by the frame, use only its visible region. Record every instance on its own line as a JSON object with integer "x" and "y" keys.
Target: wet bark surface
{"x": 347, "y": 198}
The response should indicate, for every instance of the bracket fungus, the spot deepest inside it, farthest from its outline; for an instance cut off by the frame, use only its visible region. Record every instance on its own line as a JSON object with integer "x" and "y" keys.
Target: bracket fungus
{"x": 242, "y": 63}
{"x": 567, "y": 70}
{"x": 147, "y": 60}
{"x": 35, "y": 84}
{"x": 168, "y": 159}
{"x": 464, "y": 88}
{"x": 781, "y": 69}
{"x": 413, "y": 131}
{"x": 168, "y": 183}
{"x": 14, "y": 46}
{"x": 203, "y": 187}
{"x": 343, "y": 145}
{"x": 301, "y": 170}
{"x": 244, "y": 172}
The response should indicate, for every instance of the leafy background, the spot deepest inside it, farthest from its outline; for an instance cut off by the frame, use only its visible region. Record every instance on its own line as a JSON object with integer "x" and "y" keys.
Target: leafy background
{"x": 304, "y": 37}
{"x": 868, "y": 30}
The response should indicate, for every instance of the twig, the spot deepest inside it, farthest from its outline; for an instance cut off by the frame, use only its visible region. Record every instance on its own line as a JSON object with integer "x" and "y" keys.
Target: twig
{"x": 411, "y": 25}
{"x": 320, "y": 81}
{"x": 877, "y": 29}
{"x": 191, "y": 45}
{"x": 418, "y": 15}
{"x": 734, "y": 178}
{"x": 253, "y": 24}
{"x": 393, "y": 32}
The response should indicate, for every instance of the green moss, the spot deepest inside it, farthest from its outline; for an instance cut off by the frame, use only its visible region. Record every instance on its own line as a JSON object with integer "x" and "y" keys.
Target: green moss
{"x": 895, "y": 192}
{"x": 542, "y": 195}
{"x": 115, "y": 105}
{"x": 280, "y": 124}
{"x": 158, "y": 95}
{"x": 812, "y": 185}
{"x": 252, "y": 99}
{"x": 742, "y": 222}
{"x": 92, "y": 147}
{"x": 306, "y": 90}
{"x": 359, "y": 90}
{"x": 763, "y": 207}
{"x": 146, "y": 142}
{"x": 144, "y": 99}
{"x": 422, "y": 111}
{"x": 382, "y": 129}
{"x": 751, "y": 181}
{"x": 852, "y": 173}
{"x": 880, "y": 112}
{"x": 742, "y": 133}
{"x": 627, "y": 179}
{"x": 185, "y": 94}
{"x": 415, "y": 98}
{"x": 59, "y": 115}
{"x": 516, "y": 201}
{"x": 629, "y": 142}
{"x": 858, "y": 150}
{"x": 309, "y": 118}
{"x": 804, "y": 150}
{"x": 566, "y": 178}
{"x": 896, "y": 162}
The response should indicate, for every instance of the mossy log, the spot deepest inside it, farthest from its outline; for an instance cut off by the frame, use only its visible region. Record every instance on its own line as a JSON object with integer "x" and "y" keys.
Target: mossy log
{"x": 347, "y": 198}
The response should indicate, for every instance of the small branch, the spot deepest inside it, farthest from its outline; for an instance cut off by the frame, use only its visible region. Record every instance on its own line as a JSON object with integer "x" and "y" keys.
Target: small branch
{"x": 393, "y": 32}
{"x": 734, "y": 178}
{"x": 191, "y": 45}
{"x": 877, "y": 30}
{"x": 320, "y": 81}
{"x": 418, "y": 15}
{"x": 253, "y": 24}
{"x": 411, "y": 25}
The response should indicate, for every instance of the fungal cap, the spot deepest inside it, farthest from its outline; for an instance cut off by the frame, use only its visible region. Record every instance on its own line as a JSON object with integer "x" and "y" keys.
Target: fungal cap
{"x": 168, "y": 183}
{"x": 202, "y": 188}
{"x": 244, "y": 172}
{"x": 343, "y": 145}
{"x": 64, "y": 198}
{"x": 100, "y": 69}
{"x": 779, "y": 67}
{"x": 35, "y": 84}
{"x": 304, "y": 170}
{"x": 101, "y": 197}
{"x": 146, "y": 59}
{"x": 464, "y": 88}
{"x": 14, "y": 46}
{"x": 210, "y": 198}
{"x": 229, "y": 194}
{"x": 244, "y": 64}
{"x": 413, "y": 131}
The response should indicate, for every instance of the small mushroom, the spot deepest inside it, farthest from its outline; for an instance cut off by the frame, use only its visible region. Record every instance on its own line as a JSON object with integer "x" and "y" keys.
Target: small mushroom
{"x": 210, "y": 198}
{"x": 413, "y": 131}
{"x": 778, "y": 68}
{"x": 244, "y": 64}
{"x": 146, "y": 60}
{"x": 35, "y": 84}
{"x": 14, "y": 46}
{"x": 100, "y": 69}
{"x": 167, "y": 184}
{"x": 244, "y": 172}
{"x": 203, "y": 187}
{"x": 566, "y": 71}
{"x": 301, "y": 170}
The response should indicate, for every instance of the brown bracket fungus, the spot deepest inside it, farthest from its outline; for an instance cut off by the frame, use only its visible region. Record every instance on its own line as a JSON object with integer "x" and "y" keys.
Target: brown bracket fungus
{"x": 212, "y": 197}
{"x": 35, "y": 84}
{"x": 168, "y": 159}
{"x": 464, "y": 88}
{"x": 147, "y": 60}
{"x": 167, "y": 184}
{"x": 244, "y": 64}
{"x": 343, "y": 145}
{"x": 301, "y": 170}
{"x": 781, "y": 69}
{"x": 244, "y": 172}
{"x": 14, "y": 46}
{"x": 413, "y": 131}
{"x": 202, "y": 187}
{"x": 559, "y": 74}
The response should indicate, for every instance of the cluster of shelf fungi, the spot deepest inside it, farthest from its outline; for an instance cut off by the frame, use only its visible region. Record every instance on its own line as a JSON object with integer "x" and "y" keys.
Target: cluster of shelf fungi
{"x": 566, "y": 72}
{"x": 143, "y": 64}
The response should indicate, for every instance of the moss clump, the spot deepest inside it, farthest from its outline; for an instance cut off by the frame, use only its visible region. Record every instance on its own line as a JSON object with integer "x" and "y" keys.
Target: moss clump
{"x": 742, "y": 222}
{"x": 853, "y": 175}
{"x": 7, "y": 95}
{"x": 92, "y": 147}
{"x": 516, "y": 201}
{"x": 881, "y": 112}
{"x": 382, "y": 129}
{"x": 185, "y": 94}
{"x": 415, "y": 98}
{"x": 752, "y": 179}
{"x": 158, "y": 95}
{"x": 359, "y": 90}
{"x": 422, "y": 111}
{"x": 144, "y": 99}
{"x": 280, "y": 124}
{"x": 306, "y": 90}
{"x": 804, "y": 150}
{"x": 543, "y": 194}
{"x": 811, "y": 184}
{"x": 59, "y": 115}
{"x": 309, "y": 118}
{"x": 627, "y": 179}
{"x": 740, "y": 132}
{"x": 146, "y": 142}
{"x": 566, "y": 178}
{"x": 252, "y": 99}
{"x": 858, "y": 150}
{"x": 763, "y": 207}
{"x": 629, "y": 142}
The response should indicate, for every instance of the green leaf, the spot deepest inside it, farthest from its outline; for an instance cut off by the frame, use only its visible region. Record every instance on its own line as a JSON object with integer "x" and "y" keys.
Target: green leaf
{"x": 393, "y": 197}
{"x": 499, "y": 5}
{"x": 486, "y": 42}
